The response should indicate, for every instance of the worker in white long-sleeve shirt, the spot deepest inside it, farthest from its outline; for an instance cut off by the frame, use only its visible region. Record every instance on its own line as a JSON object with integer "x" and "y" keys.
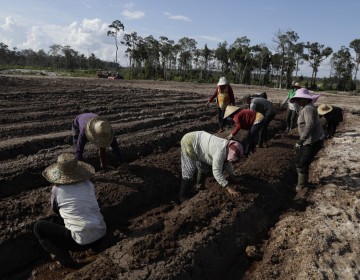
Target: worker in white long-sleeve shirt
{"x": 199, "y": 151}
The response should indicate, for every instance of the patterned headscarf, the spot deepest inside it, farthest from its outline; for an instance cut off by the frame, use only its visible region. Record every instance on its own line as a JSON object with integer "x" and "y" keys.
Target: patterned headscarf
{"x": 235, "y": 151}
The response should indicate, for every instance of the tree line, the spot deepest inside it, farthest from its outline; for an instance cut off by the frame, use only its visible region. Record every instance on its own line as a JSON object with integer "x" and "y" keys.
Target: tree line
{"x": 241, "y": 62}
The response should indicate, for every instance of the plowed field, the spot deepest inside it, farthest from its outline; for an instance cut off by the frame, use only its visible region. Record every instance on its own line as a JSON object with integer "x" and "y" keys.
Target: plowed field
{"x": 257, "y": 235}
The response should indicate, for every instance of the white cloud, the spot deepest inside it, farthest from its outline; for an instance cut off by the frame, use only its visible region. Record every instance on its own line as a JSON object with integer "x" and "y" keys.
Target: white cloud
{"x": 86, "y": 37}
{"x": 132, "y": 14}
{"x": 177, "y": 17}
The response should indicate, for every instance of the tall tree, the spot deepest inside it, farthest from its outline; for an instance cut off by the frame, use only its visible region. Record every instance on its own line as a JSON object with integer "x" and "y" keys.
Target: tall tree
{"x": 316, "y": 53}
{"x": 299, "y": 56}
{"x": 239, "y": 54}
{"x": 165, "y": 52}
{"x": 114, "y": 31}
{"x": 355, "y": 44}
{"x": 187, "y": 48}
{"x": 343, "y": 66}
{"x": 285, "y": 42}
{"x": 222, "y": 55}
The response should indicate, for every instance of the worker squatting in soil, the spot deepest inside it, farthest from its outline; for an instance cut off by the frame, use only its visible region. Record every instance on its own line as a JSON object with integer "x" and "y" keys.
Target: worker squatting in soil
{"x": 73, "y": 194}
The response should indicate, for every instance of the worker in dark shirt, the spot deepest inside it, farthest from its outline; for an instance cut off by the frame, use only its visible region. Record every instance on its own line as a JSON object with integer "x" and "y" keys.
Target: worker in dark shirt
{"x": 333, "y": 116}
{"x": 90, "y": 127}
{"x": 249, "y": 120}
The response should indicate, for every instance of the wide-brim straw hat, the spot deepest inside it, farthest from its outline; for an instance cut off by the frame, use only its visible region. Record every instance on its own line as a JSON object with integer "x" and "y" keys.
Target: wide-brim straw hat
{"x": 68, "y": 170}
{"x": 303, "y": 93}
{"x": 230, "y": 110}
{"x": 222, "y": 81}
{"x": 99, "y": 132}
{"x": 324, "y": 109}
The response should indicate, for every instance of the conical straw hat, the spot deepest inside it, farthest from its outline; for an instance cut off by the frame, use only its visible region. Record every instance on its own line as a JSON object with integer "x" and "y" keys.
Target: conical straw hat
{"x": 229, "y": 110}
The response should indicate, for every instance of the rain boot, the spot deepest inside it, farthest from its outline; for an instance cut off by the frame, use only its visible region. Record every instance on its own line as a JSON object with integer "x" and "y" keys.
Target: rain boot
{"x": 200, "y": 181}
{"x": 184, "y": 188}
{"x": 302, "y": 181}
{"x": 58, "y": 254}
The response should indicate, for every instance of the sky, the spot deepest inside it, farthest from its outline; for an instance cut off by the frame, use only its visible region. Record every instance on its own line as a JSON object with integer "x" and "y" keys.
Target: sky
{"x": 83, "y": 24}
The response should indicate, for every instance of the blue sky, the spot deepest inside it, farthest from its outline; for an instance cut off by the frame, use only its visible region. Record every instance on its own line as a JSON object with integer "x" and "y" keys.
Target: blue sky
{"x": 83, "y": 24}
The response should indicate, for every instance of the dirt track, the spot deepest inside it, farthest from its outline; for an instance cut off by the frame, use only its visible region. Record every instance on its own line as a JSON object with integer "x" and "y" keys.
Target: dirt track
{"x": 150, "y": 236}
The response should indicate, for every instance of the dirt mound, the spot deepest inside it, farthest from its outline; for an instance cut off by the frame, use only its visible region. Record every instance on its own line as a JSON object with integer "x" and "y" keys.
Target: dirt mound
{"x": 149, "y": 235}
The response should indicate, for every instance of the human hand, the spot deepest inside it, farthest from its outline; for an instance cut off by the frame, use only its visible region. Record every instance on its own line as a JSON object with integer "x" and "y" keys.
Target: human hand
{"x": 298, "y": 147}
{"x": 232, "y": 191}
{"x": 229, "y": 137}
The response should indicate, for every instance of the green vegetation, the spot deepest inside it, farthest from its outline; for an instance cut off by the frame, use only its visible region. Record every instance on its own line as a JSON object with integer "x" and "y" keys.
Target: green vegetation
{"x": 240, "y": 62}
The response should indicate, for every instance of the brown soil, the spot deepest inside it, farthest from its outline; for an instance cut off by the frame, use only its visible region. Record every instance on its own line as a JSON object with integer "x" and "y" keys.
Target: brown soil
{"x": 262, "y": 234}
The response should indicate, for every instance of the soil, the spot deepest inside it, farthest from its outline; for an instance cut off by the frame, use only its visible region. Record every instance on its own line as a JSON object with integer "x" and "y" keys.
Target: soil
{"x": 267, "y": 232}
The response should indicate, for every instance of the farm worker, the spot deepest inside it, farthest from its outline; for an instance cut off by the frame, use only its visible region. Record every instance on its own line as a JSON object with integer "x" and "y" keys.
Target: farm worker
{"x": 291, "y": 108}
{"x": 201, "y": 151}
{"x": 247, "y": 120}
{"x": 73, "y": 199}
{"x": 333, "y": 116}
{"x": 264, "y": 107}
{"x": 90, "y": 127}
{"x": 310, "y": 132}
{"x": 224, "y": 96}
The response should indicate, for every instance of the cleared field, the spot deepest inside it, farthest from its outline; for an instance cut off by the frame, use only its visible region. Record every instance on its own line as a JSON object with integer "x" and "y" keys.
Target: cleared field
{"x": 149, "y": 235}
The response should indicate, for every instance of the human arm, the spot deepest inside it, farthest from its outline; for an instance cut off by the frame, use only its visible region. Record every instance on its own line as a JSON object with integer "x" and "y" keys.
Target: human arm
{"x": 54, "y": 203}
{"x": 102, "y": 156}
{"x": 212, "y": 97}
{"x": 286, "y": 99}
{"x": 80, "y": 144}
{"x": 116, "y": 150}
{"x": 231, "y": 96}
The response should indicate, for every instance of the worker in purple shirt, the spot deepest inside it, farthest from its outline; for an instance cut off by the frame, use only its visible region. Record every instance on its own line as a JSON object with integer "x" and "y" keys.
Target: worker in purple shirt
{"x": 90, "y": 127}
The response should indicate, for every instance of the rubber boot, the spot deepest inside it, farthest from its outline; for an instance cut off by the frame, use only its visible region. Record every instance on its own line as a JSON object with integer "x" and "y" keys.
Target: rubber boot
{"x": 58, "y": 254}
{"x": 184, "y": 188}
{"x": 200, "y": 181}
{"x": 302, "y": 180}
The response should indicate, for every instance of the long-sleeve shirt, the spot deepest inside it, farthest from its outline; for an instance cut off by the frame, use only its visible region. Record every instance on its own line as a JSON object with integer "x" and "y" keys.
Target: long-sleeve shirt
{"x": 212, "y": 150}
{"x": 309, "y": 126}
{"x": 79, "y": 125}
{"x": 78, "y": 206}
{"x": 243, "y": 119}
{"x": 262, "y": 106}
{"x": 230, "y": 94}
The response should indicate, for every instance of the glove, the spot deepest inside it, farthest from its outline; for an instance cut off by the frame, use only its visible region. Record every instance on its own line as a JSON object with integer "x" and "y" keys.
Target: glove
{"x": 229, "y": 137}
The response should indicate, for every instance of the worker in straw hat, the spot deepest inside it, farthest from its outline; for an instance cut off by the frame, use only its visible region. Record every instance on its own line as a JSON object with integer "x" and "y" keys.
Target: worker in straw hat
{"x": 224, "y": 96}
{"x": 73, "y": 198}
{"x": 291, "y": 108}
{"x": 202, "y": 151}
{"x": 266, "y": 108}
{"x": 248, "y": 120}
{"x": 310, "y": 132}
{"x": 90, "y": 127}
{"x": 333, "y": 116}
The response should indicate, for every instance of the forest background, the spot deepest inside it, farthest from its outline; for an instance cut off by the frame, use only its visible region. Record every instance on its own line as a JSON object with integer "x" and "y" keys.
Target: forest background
{"x": 164, "y": 59}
